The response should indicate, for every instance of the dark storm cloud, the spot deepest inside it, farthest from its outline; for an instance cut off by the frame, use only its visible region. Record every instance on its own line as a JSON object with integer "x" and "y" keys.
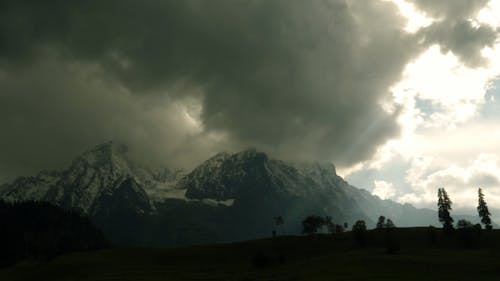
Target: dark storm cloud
{"x": 53, "y": 110}
{"x": 301, "y": 79}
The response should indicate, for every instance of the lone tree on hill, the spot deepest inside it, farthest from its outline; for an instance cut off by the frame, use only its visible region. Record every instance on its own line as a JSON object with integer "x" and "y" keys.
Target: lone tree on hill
{"x": 311, "y": 224}
{"x": 444, "y": 207}
{"x": 483, "y": 211}
{"x": 381, "y": 222}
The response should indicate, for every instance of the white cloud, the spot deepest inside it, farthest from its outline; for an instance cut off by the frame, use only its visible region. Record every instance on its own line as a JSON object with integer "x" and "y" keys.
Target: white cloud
{"x": 415, "y": 19}
{"x": 437, "y": 97}
{"x": 383, "y": 189}
{"x": 453, "y": 92}
{"x": 461, "y": 181}
{"x": 410, "y": 198}
{"x": 490, "y": 14}
{"x": 444, "y": 139}
{"x": 418, "y": 169}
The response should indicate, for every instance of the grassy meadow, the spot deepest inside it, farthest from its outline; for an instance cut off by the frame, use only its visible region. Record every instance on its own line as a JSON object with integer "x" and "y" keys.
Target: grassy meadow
{"x": 416, "y": 254}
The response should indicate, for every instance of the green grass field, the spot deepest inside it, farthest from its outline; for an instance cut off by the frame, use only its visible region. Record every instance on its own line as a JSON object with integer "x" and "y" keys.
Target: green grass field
{"x": 322, "y": 257}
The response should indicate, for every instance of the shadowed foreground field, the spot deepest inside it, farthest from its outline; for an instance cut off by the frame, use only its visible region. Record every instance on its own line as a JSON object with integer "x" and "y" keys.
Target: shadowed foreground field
{"x": 422, "y": 256}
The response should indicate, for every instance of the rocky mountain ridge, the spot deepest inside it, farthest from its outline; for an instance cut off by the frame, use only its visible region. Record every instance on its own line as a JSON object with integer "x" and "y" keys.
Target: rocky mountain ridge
{"x": 229, "y": 196}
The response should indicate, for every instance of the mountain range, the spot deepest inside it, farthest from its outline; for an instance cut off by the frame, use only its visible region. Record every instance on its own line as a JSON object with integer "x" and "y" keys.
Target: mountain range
{"x": 228, "y": 197}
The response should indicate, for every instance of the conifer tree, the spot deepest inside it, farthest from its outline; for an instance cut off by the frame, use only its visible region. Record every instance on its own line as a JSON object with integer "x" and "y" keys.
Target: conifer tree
{"x": 444, "y": 207}
{"x": 483, "y": 211}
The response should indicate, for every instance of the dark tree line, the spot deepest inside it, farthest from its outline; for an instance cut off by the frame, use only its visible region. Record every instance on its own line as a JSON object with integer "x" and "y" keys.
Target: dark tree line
{"x": 40, "y": 231}
{"x": 312, "y": 224}
{"x": 382, "y": 223}
{"x": 466, "y": 233}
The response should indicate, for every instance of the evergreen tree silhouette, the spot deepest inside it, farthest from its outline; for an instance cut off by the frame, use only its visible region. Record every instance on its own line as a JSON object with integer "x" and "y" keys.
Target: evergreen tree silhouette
{"x": 483, "y": 211}
{"x": 444, "y": 207}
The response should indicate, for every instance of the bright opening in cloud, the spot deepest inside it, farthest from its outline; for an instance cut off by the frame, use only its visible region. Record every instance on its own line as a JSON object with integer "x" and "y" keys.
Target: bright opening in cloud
{"x": 490, "y": 14}
{"x": 416, "y": 19}
{"x": 384, "y": 190}
{"x": 444, "y": 140}
{"x": 440, "y": 92}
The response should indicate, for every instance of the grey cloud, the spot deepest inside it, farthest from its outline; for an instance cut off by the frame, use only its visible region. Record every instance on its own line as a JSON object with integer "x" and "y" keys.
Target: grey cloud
{"x": 484, "y": 180}
{"x": 454, "y": 31}
{"x": 447, "y": 9}
{"x": 461, "y": 38}
{"x": 300, "y": 79}
{"x": 53, "y": 110}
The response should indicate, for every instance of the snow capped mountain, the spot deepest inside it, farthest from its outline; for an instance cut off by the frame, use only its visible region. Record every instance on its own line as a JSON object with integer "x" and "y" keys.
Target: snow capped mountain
{"x": 231, "y": 176}
{"x": 251, "y": 179}
{"x": 161, "y": 185}
{"x": 29, "y": 188}
{"x": 227, "y": 196}
{"x": 224, "y": 175}
{"x": 93, "y": 178}
{"x": 95, "y": 174}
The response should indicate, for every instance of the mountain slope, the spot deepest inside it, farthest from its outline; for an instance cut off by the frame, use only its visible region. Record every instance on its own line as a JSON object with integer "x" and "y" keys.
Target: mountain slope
{"x": 292, "y": 190}
{"x": 30, "y": 188}
{"x": 99, "y": 176}
{"x": 228, "y": 197}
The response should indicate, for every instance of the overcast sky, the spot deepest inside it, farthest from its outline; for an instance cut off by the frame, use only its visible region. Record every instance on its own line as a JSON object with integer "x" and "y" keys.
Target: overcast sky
{"x": 400, "y": 95}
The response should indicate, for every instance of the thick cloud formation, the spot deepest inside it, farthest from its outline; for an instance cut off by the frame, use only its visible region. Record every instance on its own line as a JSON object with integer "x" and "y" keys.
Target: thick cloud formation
{"x": 53, "y": 110}
{"x": 180, "y": 80}
{"x": 453, "y": 30}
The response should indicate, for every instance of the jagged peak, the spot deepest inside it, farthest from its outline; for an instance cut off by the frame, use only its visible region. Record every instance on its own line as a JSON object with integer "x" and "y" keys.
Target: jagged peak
{"x": 242, "y": 156}
{"x": 246, "y": 153}
{"x": 220, "y": 155}
{"x": 250, "y": 153}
